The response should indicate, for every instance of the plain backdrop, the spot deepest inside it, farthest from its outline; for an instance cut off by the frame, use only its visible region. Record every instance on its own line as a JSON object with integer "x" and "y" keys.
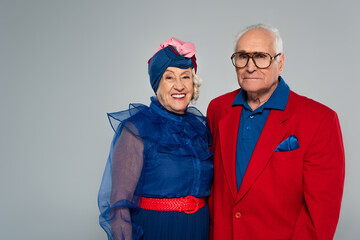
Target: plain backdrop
{"x": 64, "y": 64}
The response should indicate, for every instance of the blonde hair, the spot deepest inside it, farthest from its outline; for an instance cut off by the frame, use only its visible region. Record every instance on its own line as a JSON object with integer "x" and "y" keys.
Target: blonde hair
{"x": 197, "y": 81}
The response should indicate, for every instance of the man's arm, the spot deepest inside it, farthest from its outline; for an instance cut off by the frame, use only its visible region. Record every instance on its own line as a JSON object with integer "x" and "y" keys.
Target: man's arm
{"x": 210, "y": 121}
{"x": 324, "y": 172}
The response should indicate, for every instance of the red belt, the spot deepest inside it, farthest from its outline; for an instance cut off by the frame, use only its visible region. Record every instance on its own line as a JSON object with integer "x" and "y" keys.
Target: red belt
{"x": 188, "y": 204}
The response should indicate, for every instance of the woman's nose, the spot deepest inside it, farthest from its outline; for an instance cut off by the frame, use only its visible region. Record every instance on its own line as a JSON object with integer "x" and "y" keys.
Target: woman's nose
{"x": 178, "y": 85}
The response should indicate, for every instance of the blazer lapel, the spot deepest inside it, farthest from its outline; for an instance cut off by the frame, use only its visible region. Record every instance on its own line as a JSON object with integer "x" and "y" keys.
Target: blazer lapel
{"x": 271, "y": 135}
{"x": 228, "y": 131}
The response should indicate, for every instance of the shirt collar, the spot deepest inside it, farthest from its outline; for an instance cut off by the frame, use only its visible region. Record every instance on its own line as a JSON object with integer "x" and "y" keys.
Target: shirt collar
{"x": 278, "y": 99}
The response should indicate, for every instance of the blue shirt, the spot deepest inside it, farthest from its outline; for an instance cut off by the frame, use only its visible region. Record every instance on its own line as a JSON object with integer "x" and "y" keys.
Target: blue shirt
{"x": 252, "y": 123}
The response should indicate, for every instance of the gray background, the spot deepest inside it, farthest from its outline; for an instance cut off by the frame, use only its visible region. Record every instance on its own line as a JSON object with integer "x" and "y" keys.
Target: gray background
{"x": 64, "y": 64}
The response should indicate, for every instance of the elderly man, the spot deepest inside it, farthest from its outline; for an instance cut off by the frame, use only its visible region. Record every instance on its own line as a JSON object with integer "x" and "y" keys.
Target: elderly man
{"x": 279, "y": 157}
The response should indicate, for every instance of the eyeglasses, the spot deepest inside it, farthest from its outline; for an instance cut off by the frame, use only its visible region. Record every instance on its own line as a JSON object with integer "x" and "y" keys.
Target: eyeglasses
{"x": 260, "y": 59}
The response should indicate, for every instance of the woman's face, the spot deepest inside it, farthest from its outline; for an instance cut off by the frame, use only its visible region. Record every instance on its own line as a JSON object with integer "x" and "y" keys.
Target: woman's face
{"x": 176, "y": 89}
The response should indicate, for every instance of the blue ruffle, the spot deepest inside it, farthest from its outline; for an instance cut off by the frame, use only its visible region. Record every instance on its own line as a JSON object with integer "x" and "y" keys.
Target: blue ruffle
{"x": 192, "y": 117}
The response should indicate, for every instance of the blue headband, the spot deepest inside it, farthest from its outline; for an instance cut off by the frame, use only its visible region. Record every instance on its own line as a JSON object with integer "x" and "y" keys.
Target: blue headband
{"x": 167, "y": 57}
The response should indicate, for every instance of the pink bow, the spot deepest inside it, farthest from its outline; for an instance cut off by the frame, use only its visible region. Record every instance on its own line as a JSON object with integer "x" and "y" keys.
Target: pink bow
{"x": 186, "y": 49}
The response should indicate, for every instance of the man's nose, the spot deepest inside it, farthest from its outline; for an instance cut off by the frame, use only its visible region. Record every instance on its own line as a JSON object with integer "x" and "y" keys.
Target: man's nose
{"x": 251, "y": 65}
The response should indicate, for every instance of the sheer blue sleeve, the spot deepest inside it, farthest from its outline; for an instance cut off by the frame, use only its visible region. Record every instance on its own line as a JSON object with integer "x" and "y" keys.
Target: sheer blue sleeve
{"x": 121, "y": 176}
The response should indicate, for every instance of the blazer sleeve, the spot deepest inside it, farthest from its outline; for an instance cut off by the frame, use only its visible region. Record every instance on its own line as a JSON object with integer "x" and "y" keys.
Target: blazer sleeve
{"x": 324, "y": 172}
{"x": 210, "y": 121}
{"x": 210, "y": 200}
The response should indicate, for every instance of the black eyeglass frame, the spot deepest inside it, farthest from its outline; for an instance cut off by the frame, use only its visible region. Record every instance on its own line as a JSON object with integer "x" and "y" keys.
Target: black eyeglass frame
{"x": 251, "y": 55}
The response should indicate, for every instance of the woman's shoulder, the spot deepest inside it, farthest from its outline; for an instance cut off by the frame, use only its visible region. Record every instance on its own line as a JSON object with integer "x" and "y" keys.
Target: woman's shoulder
{"x": 133, "y": 115}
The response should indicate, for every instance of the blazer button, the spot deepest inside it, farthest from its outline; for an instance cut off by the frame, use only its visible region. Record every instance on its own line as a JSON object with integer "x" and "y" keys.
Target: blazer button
{"x": 237, "y": 215}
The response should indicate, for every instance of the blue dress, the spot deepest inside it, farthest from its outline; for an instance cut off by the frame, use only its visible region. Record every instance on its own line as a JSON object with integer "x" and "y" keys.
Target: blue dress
{"x": 156, "y": 153}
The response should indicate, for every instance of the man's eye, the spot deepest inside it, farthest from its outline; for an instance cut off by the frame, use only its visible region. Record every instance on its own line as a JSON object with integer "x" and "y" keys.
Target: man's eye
{"x": 243, "y": 56}
{"x": 260, "y": 55}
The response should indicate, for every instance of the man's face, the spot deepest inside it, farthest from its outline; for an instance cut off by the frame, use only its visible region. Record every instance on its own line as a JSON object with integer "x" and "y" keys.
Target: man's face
{"x": 261, "y": 82}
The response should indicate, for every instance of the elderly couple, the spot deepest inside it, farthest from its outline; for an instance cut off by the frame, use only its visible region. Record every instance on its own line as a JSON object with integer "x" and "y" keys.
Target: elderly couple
{"x": 265, "y": 163}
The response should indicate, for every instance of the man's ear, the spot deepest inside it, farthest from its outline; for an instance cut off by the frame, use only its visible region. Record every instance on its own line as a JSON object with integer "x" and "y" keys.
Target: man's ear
{"x": 281, "y": 62}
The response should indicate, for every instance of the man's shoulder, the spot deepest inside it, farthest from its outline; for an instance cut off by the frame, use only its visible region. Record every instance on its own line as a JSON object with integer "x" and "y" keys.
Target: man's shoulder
{"x": 307, "y": 105}
{"x": 224, "y": 101}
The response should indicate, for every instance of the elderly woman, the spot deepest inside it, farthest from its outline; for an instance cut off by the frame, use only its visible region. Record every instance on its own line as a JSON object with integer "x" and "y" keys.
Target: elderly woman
{"x": 159, "y": 171}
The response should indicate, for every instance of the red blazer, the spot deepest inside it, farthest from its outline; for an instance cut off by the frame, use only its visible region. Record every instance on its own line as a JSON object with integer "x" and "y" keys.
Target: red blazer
{"x": 284, "y": 195}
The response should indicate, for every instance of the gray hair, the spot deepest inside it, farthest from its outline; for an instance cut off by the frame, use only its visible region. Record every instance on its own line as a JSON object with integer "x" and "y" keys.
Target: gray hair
{"x": 278, "y": 43}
